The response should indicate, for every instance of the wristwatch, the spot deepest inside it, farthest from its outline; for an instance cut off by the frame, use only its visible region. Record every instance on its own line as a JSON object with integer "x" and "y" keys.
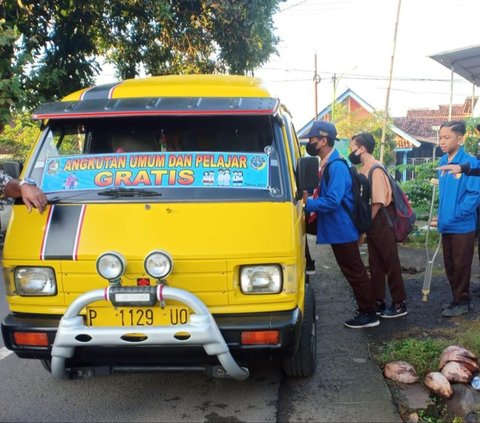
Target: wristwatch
{"x": 28, "y": 181}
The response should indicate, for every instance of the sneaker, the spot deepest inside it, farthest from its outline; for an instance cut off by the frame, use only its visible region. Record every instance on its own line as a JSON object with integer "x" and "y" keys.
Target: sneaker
{"x": 310, "y": 267}
{"x": 379, "y": 307}
{"x": 450, "y": 305}
{"x": 395, "y": 310}
{"x": 456, "y": 310}
{"x": 447, "y": 305}
{"x": 363, "y": 320}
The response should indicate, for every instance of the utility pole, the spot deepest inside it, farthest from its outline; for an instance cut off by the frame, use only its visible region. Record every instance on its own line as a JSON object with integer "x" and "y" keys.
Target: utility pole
{"x": 387, "y": 100}
{"x": 316, "y": 81}
{"x": 334, "y": 81}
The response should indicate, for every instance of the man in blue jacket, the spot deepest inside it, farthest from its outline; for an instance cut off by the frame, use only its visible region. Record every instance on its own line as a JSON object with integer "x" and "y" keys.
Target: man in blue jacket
{"x": 334, "y": 225}
{"x": 459, "y": 197}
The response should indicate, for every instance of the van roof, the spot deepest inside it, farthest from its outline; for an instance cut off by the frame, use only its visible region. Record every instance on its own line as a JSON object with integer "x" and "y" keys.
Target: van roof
{"x": 165, "y": 95}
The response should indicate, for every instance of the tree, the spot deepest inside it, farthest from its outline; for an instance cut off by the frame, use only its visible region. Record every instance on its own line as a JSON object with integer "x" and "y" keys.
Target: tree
{"x": 50, "y": 47}
{"x": 349, "y": 123}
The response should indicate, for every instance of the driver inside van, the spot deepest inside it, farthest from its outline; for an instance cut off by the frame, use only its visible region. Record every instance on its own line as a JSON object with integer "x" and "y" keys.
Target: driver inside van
{"x": 126, "y": 142}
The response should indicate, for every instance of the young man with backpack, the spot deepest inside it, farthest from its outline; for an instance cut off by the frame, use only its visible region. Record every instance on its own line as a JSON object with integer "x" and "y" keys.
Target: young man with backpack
{"x": 332, "y": 202}
{"x": 383, "y": 258}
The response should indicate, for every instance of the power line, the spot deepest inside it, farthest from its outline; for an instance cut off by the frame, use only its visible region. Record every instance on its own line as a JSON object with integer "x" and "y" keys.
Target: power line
{"x": 369, "y": 78}
{"x": 325, "y": 5}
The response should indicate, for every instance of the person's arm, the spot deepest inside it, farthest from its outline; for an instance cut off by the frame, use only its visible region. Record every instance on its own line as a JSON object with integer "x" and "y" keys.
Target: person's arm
{"x": 378, "y": 180}
{"x": 375, "y": 209}
{"x": 31, "y": 195}
{"x": 465, "y": 168}
{"x": 471, "y": 199}
{"x": 332, "y": 196}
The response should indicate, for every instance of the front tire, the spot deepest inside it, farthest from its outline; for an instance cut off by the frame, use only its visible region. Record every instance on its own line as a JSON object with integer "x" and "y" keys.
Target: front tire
{"x": 47, "y": 365}
{"x": 304, "y": 361}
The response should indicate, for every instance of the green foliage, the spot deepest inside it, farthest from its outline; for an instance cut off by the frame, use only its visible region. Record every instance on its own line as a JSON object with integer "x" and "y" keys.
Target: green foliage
{"x": 472, "y": 141}
{"x": 418, "y": 238}
{"x": 10, "y": 87}
{"x": 19, "y": 136}
{"x": 422, "y": 354}
{"x": 49, "y": 47}
{"x": 351, "y": 123}
{"x": 419, "y": 189}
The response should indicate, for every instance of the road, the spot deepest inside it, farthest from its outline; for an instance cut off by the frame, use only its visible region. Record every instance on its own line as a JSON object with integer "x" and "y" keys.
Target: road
{"x": 335, "y": 393}
{"x": 30, "y": 394}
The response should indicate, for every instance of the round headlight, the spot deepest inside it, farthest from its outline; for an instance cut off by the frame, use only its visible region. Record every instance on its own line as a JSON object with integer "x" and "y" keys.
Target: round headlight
{"x": 111, "y": 265}
{"x": 158, "y": 264}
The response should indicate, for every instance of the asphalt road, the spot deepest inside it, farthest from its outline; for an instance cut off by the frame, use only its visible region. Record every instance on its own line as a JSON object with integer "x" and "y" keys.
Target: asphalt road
{"x": 347, "y": 385}
{"x": 30, "y": 394}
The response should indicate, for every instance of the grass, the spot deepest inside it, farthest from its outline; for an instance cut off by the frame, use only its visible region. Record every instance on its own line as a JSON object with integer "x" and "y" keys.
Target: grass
{"x": 423, "y": 352}
{"x": 418, "y": 237}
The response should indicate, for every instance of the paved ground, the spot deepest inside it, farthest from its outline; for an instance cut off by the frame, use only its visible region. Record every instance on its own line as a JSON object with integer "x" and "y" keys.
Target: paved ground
{"x": 348, "y": 385}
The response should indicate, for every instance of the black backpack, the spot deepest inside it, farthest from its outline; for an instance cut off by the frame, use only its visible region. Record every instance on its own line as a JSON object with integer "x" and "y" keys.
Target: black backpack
{"x": 404, "y": 220}
{"x": 361, "y": 214}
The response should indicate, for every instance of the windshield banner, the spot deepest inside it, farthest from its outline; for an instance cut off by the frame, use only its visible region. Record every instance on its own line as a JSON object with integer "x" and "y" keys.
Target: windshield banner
{"x": 163, "y": 170}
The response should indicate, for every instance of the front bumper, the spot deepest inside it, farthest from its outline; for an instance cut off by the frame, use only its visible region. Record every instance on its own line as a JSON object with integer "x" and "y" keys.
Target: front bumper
{"x": 71, "y": 343}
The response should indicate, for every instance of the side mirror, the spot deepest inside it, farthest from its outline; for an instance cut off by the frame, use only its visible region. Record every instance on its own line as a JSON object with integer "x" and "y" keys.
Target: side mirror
{"x": 13, "y": 168}
{"x": 307, "y": 174}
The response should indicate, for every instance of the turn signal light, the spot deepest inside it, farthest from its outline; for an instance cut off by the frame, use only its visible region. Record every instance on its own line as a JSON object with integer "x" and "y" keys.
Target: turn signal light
{"x": 266, "y": 337}
{"x": 37, "y": 339}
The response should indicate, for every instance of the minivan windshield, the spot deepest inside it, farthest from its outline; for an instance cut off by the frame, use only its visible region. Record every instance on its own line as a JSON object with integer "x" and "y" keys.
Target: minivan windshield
{"x": 160, "y": 159}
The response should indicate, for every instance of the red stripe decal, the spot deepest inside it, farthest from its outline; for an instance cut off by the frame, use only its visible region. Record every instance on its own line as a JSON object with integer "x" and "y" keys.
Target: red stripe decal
{"x": 85, "y": 92}
{"x": 152, "y": 113}
{"x": 45, "y": 233}
{"x": 78, "y": 233}
{"x": 110, "y": 93}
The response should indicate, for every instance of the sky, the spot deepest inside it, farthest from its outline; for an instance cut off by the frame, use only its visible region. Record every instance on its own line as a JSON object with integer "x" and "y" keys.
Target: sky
{"x": 354, "y": 40}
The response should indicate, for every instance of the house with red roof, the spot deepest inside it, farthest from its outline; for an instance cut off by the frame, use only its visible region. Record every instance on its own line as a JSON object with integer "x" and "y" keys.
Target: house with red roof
{"x": 359, "y": 108}
{"x": 416, "y": 134}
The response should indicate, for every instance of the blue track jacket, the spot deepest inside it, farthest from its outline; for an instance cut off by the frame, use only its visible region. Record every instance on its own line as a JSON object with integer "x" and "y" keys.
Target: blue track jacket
{"x": 334, "y": 225}
{"x": 459, "y": 197}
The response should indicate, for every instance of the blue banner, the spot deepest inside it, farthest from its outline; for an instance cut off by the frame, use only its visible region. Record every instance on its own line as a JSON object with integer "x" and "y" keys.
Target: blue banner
{"x": 165, "y": 170}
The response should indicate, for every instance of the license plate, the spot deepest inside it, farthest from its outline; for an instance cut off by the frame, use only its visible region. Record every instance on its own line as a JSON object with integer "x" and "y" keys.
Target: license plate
{"x": 137, "y": 316}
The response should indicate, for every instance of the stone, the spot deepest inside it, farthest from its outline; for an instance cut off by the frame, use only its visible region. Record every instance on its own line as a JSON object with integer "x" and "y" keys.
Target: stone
{"x": 465, "y": 400}
{"x": 414, "y": 396}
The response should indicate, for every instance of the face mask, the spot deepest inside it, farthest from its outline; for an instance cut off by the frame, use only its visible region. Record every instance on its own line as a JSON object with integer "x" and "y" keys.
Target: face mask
{"x": 354, "y": 159}
{"x": 312, "y": 148}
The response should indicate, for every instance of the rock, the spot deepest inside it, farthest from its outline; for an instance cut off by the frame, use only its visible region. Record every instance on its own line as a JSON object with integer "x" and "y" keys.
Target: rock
{"x": 470, "y": 363}
{"x": 414, "y": 396}
{"x": 438, "y": 384}
{"x": 465, "y": 401}
{"x": 412, "y": 418}
{"x": 400, "y": 371}
{"x": 453, "y": 352}
{"x": 457, "y": 372}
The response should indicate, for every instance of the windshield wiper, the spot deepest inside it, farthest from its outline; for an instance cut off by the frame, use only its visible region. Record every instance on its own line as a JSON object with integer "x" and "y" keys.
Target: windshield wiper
{"x": 128, "y": 192}
{"x": 60, "y": 198}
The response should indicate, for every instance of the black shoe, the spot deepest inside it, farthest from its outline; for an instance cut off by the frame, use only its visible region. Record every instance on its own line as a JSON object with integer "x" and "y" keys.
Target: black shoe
{"x": 310, "y": 267}
{"x": 363, "y": 320}
{"x": 456, "y": 310}
{"x": 395, "y": 310}
{"x": 379, "y": 307}
{"x": 450, "y": 305}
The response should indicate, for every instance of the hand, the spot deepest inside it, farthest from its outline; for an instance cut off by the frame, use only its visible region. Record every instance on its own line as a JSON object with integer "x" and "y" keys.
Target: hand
{"x": 305, "y": 196}
{"x": 33, "y": 197}
{"x": 362, "y": 239}
{"x": 452, "y": 168}
{"x": 434, "y": 222}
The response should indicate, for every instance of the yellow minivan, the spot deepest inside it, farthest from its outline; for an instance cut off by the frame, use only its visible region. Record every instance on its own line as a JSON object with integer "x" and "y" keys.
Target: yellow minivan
{"x": 174, "y": 236}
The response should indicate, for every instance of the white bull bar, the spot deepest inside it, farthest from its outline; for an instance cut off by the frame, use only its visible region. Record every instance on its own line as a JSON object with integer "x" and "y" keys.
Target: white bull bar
{"x": 202, "y": 328}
